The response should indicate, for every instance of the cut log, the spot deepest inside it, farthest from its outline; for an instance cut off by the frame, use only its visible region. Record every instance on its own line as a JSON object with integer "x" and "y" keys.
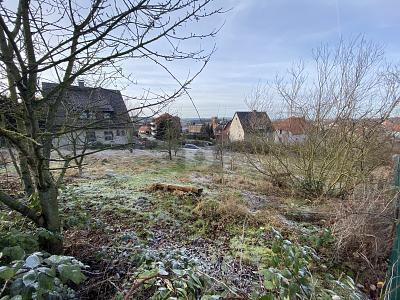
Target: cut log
{"x": 173, "y": 187}
{"x": 305, "y": 216}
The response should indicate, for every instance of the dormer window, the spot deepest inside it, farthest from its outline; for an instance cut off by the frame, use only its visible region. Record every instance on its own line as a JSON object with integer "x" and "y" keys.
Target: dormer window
{"x": 87, "y": 115}
{"x": 107, "y": 115}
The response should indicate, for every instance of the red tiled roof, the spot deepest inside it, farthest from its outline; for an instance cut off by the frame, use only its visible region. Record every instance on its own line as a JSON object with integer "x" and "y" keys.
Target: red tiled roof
{"x": 391, "y": 125}
{"x": 295, "y": 125}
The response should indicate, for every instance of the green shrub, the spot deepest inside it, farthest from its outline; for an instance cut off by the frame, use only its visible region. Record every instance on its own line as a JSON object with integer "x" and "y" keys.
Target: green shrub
{"x": 11, "y": 243}
{"x": 40, "y": 276}
{"x": 311, "y": 187}
{"x": 290, "y": 277}
{"x": 168, "y": 275}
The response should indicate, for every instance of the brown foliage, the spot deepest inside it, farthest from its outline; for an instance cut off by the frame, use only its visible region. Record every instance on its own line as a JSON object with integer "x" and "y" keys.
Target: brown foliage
{"x": 363, "y": 228}
{"x": 226, "y": 210}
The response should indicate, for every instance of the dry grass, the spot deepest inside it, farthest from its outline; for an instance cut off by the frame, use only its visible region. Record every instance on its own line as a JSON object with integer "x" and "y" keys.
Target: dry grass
{"x": 363, "y": 228}
{"x": 228, "y": 209}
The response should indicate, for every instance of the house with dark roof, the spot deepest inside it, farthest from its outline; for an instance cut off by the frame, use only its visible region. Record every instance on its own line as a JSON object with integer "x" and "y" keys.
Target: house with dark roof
{"x": 292, "y": 129}
{"x": 99, "y": 114}
{"x": 247, "y": 124}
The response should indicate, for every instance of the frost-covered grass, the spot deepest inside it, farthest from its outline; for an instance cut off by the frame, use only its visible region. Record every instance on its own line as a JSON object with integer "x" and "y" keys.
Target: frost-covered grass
{"x": 110, "y": 213}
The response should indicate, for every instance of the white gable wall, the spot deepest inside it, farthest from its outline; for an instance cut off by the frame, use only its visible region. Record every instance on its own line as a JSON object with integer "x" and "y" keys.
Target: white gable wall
{"x": 236, "y": 132}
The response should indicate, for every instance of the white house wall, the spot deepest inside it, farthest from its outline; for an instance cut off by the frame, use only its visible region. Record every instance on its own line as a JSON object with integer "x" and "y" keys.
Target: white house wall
{"x": 118, "y": 140}
{"x": 288, "y": 137}
{"x": 236, "y": 132}
{"x": 65, "y": 143}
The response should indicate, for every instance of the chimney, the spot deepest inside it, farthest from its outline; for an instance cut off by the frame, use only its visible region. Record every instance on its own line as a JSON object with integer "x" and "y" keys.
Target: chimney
{"x": 81, "y": 83}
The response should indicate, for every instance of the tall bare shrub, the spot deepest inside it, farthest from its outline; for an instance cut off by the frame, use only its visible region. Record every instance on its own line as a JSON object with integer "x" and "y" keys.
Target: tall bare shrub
{"x": 344, "y": 96}
{"x": 363, "y": 228}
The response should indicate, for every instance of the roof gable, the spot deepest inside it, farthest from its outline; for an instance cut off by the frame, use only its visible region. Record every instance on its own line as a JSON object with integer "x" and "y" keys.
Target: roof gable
{"x": 254, "y": 120}
{"x": 294, "y": 125}
{"x": 79, "y": 99}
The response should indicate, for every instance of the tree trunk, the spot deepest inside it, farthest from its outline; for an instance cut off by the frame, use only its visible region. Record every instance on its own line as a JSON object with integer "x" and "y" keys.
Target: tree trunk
{"x": 48, "y": 197}
{"x": 169, "y": 153}
{"x": 80, "y": 170}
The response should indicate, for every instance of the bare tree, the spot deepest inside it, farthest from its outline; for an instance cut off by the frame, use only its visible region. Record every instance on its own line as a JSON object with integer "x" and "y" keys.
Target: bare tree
{"x": 344, "y": 98}
{"x": 169, "y": 130}
{"x": 67, "y": 39}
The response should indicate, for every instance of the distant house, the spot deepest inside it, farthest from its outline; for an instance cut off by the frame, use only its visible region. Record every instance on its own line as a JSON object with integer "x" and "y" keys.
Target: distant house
{"x": 221, "y": 131}
{"x": 176, "y": 121}
{"x": 100, "y": 114}
{"x": 292, "y": 129}
{"x": 196, "y": 129}
{"x": 392, "y": 127}
{"x": 144, "y": 130}
{"x": 214, "y": 123}
{"x": 248, "y": 124}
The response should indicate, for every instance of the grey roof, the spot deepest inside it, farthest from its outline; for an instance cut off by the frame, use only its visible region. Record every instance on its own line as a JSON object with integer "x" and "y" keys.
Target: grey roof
{"x": 254, "y": 120}
{"x": 97, "y": 101}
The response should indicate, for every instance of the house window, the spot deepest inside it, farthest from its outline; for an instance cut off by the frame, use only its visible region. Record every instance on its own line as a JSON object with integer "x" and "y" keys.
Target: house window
{"x": 90, "y": 136}
{"x": 120, "y": 132}
{"x": 108, "y": 136}
{"x": 107, "y": 115}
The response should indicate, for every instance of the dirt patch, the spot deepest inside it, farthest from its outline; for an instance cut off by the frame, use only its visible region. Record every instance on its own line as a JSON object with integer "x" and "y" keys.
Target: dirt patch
{"x": 256, "y": 202}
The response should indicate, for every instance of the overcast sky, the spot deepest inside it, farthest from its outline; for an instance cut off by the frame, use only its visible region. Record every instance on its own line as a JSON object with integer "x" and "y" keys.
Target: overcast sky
{"x": 263, "y": 37}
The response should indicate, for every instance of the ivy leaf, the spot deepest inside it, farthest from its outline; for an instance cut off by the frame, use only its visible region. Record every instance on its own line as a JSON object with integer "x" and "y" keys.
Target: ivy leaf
{"x": 32, "y": 261}
{"x": 48, "y": 271}
{"x": 58, "y": 259}
{"x": 267, "y": 297}
{"x": 70, "y": 272}
{"x": 269, "y": 285}
{"x": 34, "y": 202}
{"x": 30, "y": 279}
{"x": 178, "y": 272}
{"x": 6, "y": 272}
{"x": 14, "y": 253}
{"x": 45, "y": 281}
{"x": 211, "y": 297}
{"x": 162, "y": 272}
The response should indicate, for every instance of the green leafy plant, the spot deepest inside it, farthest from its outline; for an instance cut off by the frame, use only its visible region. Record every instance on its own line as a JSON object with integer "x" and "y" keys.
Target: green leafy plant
{"x": 14, "y": 241}
{"x": 40, "y": 276}
{"x": 168, "y": 275}
{"x": 290, "y": 275}
{"x": 311, "y": 187}
{"x": 319, "y": 238}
